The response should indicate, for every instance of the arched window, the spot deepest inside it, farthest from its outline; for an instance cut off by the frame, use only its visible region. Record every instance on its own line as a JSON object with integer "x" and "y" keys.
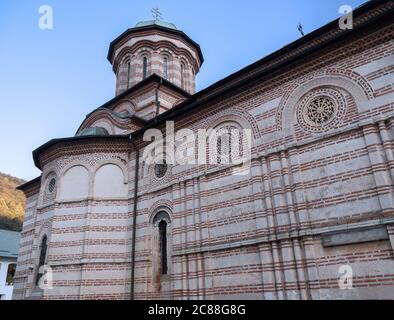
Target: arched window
{"x": 52, "y": 185}
{"x": 165, "y": 68}
{"x": 43, "y": 254}
{"x": 144, "y": 67}
{"x": 224, "y": 144}
{"x": 128, "y": 73}
{"x": 183, "y": 75}
{"x": 163, "y": 246}
{"x": 228, "y": 144}
{"x": 162, "y": 224}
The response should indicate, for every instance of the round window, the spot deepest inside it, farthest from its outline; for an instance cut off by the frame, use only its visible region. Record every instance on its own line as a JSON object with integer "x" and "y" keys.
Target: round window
{"x": 160, "y": 169}
{"x": 320, "y": 110}
{"x": 52, "y": 185}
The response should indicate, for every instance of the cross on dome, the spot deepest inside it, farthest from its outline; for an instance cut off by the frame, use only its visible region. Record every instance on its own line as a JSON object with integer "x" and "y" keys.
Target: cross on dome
{"x": 156, "y": 14}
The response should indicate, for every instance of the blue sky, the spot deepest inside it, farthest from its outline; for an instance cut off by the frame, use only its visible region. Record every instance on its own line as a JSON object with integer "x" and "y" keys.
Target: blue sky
{"x": 49, "y": 80}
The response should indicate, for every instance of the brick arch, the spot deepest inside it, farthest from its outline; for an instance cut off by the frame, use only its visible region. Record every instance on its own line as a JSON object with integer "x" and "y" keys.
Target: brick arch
{"x": 52, "y": 170}
{"x": 155, "y": 46}
{"x": 44, "y": 230}
{"x": 75, "y": 163}
{"x": 107, "y": 116}
{"x": 44, "y": 196}
{"x": 351, "y": 82}
{"x": 244, "y": 119}
{"x": 66, "y": 169}
{"x": 353, "y": 76}
{"x": 161, "y": 205}
{"x": 106, "y": 124}
{"x": 109, "y": 180}
{"x": 131, "y": 108}
{"x": 145, "y": 52}
{"x": 126, "y": 58}
{"x": 119, "y": 163}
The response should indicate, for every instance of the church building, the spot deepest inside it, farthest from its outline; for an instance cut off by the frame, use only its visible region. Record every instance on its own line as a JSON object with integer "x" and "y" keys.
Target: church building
{"x": 312, "y": 217}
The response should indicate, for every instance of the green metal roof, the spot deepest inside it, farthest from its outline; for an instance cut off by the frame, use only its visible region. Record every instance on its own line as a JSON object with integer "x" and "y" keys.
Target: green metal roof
{"x": 9, "y": 243}
{"x": 93, "y": 131}
{"x": 157, "y": 23}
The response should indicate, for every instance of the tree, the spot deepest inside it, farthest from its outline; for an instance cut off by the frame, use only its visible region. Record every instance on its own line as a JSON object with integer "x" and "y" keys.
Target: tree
{"x": 12, "y": 203}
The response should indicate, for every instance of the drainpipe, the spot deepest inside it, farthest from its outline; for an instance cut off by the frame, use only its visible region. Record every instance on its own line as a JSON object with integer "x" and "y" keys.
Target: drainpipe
{"x": 157, "y": 97}
{"x": 137, "y": 155}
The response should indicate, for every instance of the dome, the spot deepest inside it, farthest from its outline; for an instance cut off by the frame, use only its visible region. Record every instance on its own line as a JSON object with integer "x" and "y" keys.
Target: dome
{"x": 93, "y": 131}
{"x": 155, "y": 47}
{"x": 156, "y": 23}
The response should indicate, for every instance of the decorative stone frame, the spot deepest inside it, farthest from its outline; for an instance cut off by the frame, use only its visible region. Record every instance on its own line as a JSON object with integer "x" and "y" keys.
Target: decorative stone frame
{"x": 161, "y": 212}
{"x": 98, "y": 166}
{"x": 46, "y": 197}
{"x": 107, "y": 119}
{"x": 148, "y": 53}
{"x": 38, "y": 253}
{"x": 184, "y": 75}
{"x": 245, "y": 119}
{"x": 153, "y": 46}
{"x": 127, "y": 63}
{"x": 227, "y": 125}
{"x": 149, "y": 171}
{"x": 353, "y": 84}
{"x": 224, "y": 118}
{"x": 92, "y": 170}
{"x": 44, "y": 231}
{"x": 338, "y": 104}
{"x": 164, "y": 53}
{"x": 63, "y": 173}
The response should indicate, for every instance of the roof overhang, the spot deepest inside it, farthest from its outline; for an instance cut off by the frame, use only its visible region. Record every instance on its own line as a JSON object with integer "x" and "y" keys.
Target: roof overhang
{"x": 135, "y": 30}
{"x": 37, "y": 152}
{"x": 29, "y": 184}
{"x": 152, "y": 79}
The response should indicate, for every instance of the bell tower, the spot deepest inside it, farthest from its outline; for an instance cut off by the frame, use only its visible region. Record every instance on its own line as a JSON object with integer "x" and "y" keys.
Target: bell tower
{"x": 155, "y": 47}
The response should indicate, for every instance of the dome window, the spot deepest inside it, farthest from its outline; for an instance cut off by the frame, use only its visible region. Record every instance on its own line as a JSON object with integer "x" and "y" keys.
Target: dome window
{"x": 52, "y": 185}
{"x": 165, "y": 68}
{"x": 128, "y": 73}
{"x": 145, "y": 67}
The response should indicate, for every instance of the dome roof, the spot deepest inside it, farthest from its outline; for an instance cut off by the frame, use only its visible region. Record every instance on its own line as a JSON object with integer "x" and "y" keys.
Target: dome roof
{"x": 156, "y": 23}
{"x": 93, "y": 131}
{"x": 152, "y": 25}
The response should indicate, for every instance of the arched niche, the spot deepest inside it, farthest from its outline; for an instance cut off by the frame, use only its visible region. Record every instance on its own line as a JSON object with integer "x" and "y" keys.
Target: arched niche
{"x": 109, "y": 182}
{"x": 75, "y": 183}
{"x": 287, "y": 108}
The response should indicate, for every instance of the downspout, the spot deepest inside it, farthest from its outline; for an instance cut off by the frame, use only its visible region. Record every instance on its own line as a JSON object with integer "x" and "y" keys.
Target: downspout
{"x": 157, "y": 98}
{"x": 136, "y": 176}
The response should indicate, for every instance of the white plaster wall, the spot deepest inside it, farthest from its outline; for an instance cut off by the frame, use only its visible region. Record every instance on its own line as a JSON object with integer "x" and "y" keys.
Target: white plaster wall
{"x": 75, "y": 184}
{"x": 109, "y": 182}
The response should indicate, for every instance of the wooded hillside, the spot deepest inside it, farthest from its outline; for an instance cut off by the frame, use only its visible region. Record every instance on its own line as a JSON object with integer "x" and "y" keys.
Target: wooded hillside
{"x": 12, "y": 203}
